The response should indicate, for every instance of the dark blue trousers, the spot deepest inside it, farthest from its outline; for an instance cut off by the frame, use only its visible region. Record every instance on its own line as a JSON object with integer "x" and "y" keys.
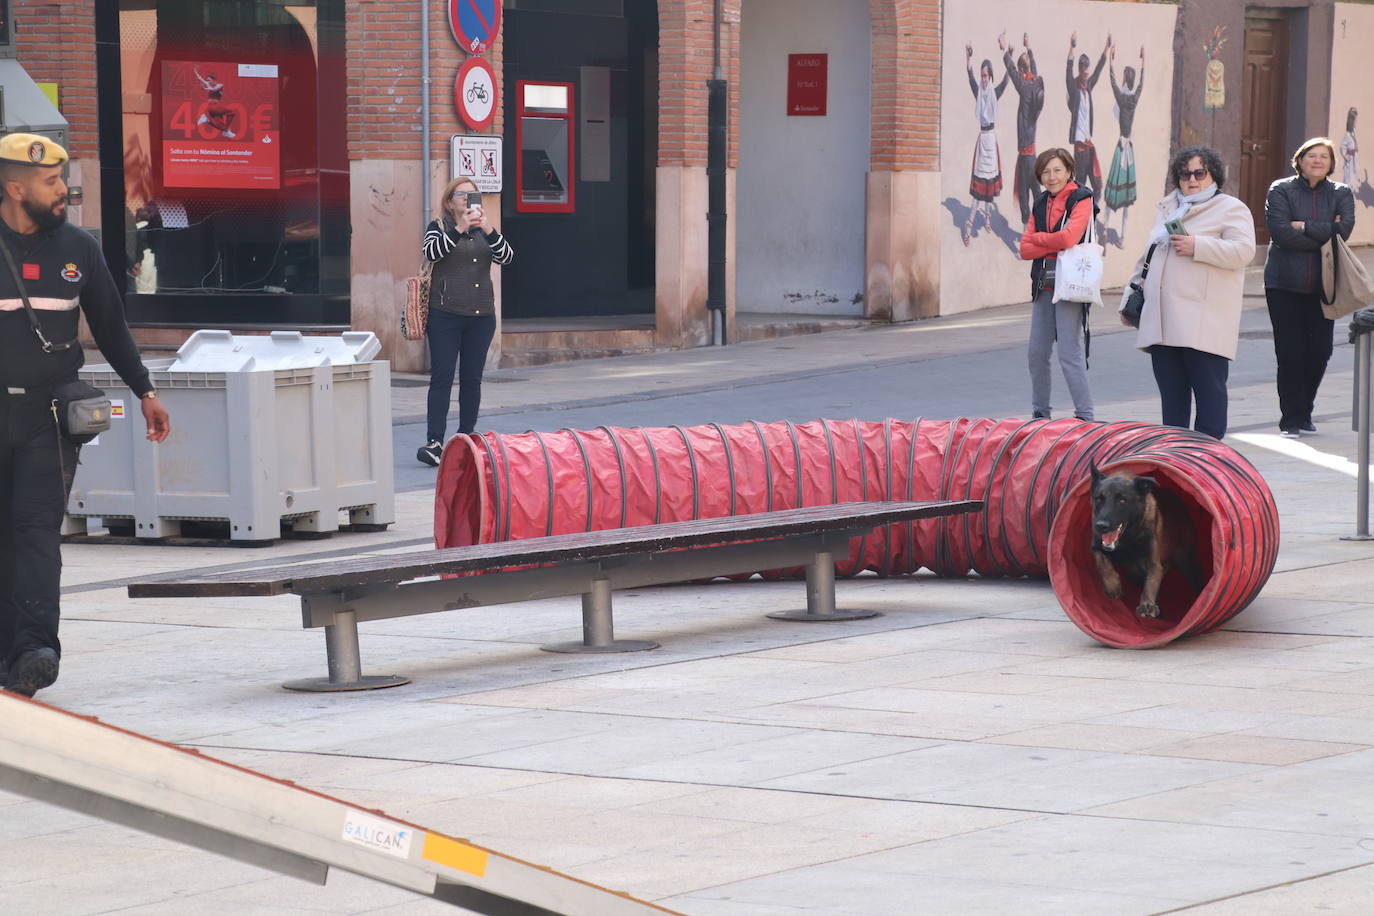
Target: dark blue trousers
{"x": 1302, "y": 348}
{"x": 459, "y": 341}
{"x": 1187, "y": 377}
{"x": 36, "y": 470}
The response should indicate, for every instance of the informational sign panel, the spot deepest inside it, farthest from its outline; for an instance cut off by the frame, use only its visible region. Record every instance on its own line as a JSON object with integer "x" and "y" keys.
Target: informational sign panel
{"x": 474, "y": 93}
{"x": 806, "y": 84}
{"x": 220, "y": 125}
{"x": 476, "y": 23}
{"x": 478, "y": 158}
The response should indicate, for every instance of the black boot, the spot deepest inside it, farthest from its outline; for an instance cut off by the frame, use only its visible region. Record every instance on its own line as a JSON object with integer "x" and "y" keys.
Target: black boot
{"x": 32, "y": 671}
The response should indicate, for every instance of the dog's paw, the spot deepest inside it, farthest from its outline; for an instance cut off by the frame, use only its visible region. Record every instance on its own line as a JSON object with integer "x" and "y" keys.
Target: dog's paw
{"x": 1147, "y": 609}
{"x": 1113, "y": 588}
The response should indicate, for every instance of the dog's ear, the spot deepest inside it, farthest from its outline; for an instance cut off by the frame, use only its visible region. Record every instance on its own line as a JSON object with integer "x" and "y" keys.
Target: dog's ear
{"x": 1145, "y": 485}
{"x": 1096, "y": 474}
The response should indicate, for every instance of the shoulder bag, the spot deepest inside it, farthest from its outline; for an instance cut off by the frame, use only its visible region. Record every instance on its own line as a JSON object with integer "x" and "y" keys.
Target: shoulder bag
{"x": 81, "y": 409}
{"x": 415, "y": 315}
{"x": 1135, "y": 302}
{"x": 1078, "y": 271}
{"x": 1343, "y": 274}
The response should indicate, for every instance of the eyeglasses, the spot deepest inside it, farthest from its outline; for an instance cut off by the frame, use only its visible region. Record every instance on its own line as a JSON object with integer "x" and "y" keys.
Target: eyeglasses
{"x": 1195, "y": 174}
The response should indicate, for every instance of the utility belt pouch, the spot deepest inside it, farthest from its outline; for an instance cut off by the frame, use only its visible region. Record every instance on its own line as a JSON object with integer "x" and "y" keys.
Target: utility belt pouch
{"x": 83, "y": 411}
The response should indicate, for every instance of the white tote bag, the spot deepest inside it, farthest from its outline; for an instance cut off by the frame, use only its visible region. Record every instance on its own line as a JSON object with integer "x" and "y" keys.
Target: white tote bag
{"x": 1078, "y": 271}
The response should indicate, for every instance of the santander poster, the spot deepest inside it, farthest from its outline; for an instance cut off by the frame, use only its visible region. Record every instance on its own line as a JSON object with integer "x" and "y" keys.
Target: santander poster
{"x": 219, "y": 125}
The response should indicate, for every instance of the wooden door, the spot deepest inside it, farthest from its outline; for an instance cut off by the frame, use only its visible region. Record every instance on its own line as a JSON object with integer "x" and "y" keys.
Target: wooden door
{"x": 1263, "y": 155}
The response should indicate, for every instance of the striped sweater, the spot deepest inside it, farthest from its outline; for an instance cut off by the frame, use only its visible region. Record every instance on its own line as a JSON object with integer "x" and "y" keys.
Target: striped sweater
{"x": 461, "y": 280}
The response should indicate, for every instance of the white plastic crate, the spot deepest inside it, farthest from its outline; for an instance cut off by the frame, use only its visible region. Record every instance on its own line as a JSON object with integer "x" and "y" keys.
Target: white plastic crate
{"x": 221, "y": 351}
{"x": 253, "y": 447}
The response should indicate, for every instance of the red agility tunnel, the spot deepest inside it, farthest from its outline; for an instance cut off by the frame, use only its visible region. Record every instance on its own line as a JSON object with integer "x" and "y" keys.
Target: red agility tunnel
{"x": 1033, "y": 477}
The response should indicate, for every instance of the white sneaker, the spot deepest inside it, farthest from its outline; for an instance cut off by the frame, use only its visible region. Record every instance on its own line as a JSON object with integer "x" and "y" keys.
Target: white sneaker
{"x": 1290, "y": 434}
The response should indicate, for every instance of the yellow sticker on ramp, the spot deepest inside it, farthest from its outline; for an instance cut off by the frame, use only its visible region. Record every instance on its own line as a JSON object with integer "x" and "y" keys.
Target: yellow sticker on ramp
{"x": 444, "y": 851}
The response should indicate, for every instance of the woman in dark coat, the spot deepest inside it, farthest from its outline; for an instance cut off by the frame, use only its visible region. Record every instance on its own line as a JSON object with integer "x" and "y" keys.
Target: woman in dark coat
{"x": 1303, "y": 214}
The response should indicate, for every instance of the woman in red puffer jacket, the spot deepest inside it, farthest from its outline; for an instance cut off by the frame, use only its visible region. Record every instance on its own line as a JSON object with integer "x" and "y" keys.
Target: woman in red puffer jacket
{"x": 1059, "y": 220}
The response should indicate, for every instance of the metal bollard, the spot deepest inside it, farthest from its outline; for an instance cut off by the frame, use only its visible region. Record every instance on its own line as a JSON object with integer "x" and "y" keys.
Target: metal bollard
{"x": 1363, "y": 346}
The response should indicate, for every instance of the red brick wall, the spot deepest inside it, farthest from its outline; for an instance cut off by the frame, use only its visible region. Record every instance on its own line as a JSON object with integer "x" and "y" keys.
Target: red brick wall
{"x": 906, "y": 84}
{"x": 906, "y": 81}
{"x": 685, "y": 58}
{"x": 56, "y": 44}
{"x": 384, "y": 79}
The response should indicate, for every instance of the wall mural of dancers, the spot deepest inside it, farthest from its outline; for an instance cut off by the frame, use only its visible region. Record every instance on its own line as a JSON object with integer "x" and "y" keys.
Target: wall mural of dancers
{"x": 988, "y": 159}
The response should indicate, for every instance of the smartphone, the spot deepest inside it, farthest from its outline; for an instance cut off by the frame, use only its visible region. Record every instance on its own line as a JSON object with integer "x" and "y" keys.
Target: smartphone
{"x": 474, "y": 199}
{"x": 1175, "y": 227}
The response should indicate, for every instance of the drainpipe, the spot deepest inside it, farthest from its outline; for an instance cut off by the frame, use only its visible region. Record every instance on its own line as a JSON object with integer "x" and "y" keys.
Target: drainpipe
{"x": 717, "y": 116}
{"x": 424, "y": 115}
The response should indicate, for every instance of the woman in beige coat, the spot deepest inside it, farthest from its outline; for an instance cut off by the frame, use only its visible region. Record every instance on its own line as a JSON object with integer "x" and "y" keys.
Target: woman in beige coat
{"x": 1200, "y": 246}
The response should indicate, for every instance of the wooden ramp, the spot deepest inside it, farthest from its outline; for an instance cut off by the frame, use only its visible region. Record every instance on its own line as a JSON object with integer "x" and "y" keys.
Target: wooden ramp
{"x": 98, "y": 770}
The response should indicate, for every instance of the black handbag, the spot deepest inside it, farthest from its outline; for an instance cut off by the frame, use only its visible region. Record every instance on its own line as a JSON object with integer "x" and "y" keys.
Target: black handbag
{"x": 1135, "y": 302}
{"x": 82, "y": 410}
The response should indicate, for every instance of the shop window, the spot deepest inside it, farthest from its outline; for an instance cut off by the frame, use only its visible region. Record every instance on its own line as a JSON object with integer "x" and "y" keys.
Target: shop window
{"x": 235, "y": 161}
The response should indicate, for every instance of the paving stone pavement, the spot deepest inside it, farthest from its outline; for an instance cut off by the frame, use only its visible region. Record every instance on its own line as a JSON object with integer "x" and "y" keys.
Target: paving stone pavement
{"x": 968, "y": 752}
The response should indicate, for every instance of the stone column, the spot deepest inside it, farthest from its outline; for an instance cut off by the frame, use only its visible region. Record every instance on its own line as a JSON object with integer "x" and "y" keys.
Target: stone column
{"x": 902, "y": 251}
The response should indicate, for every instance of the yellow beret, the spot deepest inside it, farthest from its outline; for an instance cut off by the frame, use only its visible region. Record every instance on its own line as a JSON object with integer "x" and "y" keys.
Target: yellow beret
{"x": 31, "y": 149}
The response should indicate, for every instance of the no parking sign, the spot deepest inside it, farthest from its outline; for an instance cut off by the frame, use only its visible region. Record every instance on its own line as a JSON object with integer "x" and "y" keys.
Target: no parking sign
{"x": 476, "y": 23}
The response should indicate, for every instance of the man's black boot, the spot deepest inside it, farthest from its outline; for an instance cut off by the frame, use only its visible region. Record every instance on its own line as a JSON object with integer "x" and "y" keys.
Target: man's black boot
{"x": 32, "y": 671}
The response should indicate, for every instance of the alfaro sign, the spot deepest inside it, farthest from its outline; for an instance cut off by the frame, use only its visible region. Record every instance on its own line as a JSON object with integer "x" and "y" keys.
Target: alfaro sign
{"x": 476, "y": 23}
{"x": 806, "y": 84}
{"x": 219, "y": 125}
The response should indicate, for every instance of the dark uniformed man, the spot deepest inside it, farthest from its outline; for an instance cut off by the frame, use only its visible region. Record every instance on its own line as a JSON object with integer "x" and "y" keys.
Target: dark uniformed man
{"x": 61, "y": 268}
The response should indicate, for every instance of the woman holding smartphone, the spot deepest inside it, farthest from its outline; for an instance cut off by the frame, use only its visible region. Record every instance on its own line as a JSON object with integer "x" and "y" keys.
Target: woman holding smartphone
{"x": 462, "y": 309}
{"x": 1201, "y": 243}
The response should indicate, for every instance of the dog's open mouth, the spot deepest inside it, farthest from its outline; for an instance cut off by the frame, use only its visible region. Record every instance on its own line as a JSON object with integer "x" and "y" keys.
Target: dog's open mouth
{"x": 1109, "y": 538}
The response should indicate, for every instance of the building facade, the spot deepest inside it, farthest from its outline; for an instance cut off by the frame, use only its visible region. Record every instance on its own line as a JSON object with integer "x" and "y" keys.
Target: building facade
{"x": 257, "y": 164}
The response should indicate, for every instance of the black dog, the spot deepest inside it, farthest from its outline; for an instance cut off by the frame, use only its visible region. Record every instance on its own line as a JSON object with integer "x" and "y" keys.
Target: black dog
{"x": 1141, "y": 530}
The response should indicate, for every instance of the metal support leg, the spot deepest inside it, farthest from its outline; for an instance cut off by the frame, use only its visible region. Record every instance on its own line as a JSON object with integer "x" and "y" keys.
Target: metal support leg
{"x": 598, "y": 629}
{"x": 1362, "y": 397}
{"x": 345, "y": 662}
{"x": 820, "y": 595}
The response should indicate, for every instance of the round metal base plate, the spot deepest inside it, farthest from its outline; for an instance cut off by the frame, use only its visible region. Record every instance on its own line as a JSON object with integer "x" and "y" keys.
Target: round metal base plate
{"x": 840, "y": 613}
{"x": 619, "y": 645}
{"x": 1357, "y": 537}
{"x": 367, "y": 682}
